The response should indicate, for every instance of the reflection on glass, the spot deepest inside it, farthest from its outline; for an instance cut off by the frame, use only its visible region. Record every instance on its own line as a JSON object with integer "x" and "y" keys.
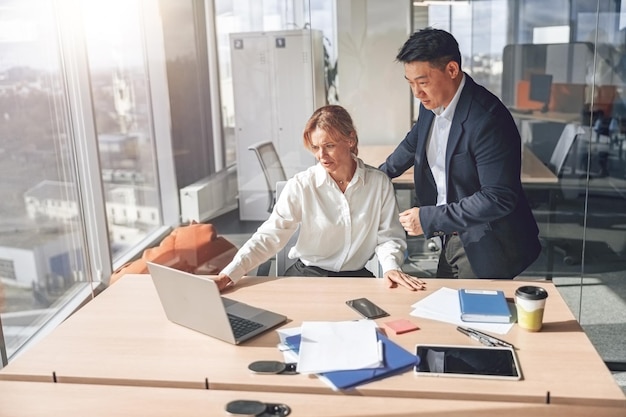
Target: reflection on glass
{"x": 119, "y": 83}
{"x": 41, "y": 245}
{"x": 576, "y": 130}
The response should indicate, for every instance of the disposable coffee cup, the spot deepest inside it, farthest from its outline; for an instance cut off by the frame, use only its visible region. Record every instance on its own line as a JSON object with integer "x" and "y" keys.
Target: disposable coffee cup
{"x": 530, "y": 302}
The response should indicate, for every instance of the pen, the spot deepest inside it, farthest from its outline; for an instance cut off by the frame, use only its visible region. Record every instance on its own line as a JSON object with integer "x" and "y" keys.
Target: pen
{"x": 474, "y": 336}
{"x": 480, "y": 336}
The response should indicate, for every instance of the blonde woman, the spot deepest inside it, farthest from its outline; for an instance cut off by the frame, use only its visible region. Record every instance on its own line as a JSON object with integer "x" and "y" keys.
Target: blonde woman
{"x": 346, "y": 211}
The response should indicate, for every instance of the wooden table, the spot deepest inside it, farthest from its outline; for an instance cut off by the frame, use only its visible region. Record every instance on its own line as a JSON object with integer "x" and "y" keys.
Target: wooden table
{"x": 533, "y": 170}
{"x": 35, "y": 399}
{"x": 123, "y": 337}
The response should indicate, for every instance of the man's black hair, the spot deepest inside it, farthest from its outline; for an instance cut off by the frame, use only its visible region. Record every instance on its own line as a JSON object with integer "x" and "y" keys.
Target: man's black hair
{"x": 434, "y": 46}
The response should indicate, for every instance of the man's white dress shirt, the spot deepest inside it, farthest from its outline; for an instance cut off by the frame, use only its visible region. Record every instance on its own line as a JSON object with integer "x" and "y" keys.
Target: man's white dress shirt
{"x": 438, "y": 143}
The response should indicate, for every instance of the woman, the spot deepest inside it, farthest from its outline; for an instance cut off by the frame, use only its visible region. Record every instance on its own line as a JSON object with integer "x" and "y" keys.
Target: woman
{"x": 346, "y": 211}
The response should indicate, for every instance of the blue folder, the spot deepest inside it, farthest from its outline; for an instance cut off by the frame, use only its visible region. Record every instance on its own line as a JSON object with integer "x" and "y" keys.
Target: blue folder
{"x": 484, "y": 306}
{"x": 396, "y": 360}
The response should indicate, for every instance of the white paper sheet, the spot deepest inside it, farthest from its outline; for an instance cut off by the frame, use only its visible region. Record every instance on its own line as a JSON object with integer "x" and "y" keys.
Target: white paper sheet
{"x": 334, "y": 346}
{"x": 443, "y": 305}
{"x": 284, "y": 333}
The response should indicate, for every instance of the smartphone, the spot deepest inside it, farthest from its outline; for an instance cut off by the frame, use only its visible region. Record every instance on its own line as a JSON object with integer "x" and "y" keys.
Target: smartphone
{"x": 366, "y": 308}
{"x": 468, "y": 361}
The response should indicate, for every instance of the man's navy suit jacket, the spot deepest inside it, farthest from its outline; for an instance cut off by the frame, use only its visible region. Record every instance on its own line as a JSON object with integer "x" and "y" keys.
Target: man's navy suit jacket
{"x": 486, "y": 206}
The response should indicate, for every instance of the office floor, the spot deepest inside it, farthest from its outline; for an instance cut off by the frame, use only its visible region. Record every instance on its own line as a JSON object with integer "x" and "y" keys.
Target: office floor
{"x": 600, "y": 295}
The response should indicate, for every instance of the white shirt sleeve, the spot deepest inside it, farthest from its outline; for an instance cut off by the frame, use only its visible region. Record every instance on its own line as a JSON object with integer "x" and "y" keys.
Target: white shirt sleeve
{"x": 392, "y": 244}
{"x": 269, "y": 238}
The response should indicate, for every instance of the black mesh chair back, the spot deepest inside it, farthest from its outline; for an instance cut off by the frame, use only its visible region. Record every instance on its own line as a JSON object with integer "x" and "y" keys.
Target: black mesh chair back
{"x": 272, "y": 168}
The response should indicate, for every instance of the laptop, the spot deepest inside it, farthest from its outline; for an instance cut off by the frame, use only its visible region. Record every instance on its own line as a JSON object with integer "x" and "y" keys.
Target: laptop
{"x": 194, "y": 301}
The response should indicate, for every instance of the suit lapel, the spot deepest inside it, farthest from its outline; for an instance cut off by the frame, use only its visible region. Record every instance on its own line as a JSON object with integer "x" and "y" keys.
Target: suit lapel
{"x": 460, "y": 116}
{"x": 425, "y": 120}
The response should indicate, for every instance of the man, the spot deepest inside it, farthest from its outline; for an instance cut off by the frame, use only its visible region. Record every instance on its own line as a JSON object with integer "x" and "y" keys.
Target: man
{"x": 466, "y": 152}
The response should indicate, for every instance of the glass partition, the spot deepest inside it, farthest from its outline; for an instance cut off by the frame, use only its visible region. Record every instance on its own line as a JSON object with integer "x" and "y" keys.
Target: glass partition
{"x": 562, "y": 73}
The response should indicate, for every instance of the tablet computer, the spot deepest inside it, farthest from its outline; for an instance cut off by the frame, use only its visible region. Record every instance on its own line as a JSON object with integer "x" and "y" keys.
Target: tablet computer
{"x": 493, "y": 362}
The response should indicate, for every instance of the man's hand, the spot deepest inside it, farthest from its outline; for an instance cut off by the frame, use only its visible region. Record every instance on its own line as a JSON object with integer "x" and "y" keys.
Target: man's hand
{"x": 395, "y": 278}
{"x": 223, "y": 281}
{"x": 410, "y": 220}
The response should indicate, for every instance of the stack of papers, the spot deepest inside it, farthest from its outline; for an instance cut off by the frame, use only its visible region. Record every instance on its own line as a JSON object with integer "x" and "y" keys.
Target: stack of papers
{"x": 338, "y": 346}
{"x": 443, "y": 305}
{"x": 349, "y": 363}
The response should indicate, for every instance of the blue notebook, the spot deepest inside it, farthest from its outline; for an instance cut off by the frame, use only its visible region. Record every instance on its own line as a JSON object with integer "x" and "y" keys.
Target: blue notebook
{"x": 396, "y": 360}
{"x": 484, "y": 306}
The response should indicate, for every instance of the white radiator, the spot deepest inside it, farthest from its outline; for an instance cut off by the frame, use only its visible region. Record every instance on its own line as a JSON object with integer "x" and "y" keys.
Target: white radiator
{"x": 209, "y": 197}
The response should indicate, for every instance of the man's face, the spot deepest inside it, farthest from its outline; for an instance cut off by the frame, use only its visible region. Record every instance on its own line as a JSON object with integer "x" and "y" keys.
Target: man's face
{"x": 432, "y": 86}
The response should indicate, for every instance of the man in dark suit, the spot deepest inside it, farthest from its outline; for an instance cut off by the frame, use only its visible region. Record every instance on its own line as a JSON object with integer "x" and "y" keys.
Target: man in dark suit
{"x": 466, "y": 152}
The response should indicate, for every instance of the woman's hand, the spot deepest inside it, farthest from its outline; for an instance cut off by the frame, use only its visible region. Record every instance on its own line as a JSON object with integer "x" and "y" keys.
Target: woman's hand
{"x": 223, "y": 281}
{"x": 396, "y": 277}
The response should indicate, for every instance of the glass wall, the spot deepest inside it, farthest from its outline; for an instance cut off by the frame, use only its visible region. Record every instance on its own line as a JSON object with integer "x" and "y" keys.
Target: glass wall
{"x": 562, "y": 72}
{"x": 78, "y": 141}
{"x": 43, "y": 256}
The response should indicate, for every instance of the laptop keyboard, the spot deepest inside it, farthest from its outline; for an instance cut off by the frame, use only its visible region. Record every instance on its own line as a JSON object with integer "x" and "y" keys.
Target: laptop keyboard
{"x": 241, "y": 326}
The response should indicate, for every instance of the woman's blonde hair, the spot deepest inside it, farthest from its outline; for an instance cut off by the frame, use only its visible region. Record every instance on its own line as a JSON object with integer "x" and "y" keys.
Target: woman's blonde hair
{"x": 336, "y": 122}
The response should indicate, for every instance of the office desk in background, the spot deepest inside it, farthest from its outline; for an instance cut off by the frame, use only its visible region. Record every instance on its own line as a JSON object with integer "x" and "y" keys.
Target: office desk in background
{"x": 24, "y": 399}
{"x": 533, "y": 170}
{"x": 122, "y": 337}
{"x": 550, "y": 116}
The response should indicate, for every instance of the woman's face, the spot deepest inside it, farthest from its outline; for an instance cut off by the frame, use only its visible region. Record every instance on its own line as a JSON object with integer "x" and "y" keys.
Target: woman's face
{"x": 334, "y": 156}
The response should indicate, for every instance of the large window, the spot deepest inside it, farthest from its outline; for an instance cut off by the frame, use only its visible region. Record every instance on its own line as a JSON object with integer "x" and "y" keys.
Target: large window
{"x": 122, "y": 107}
{"x": 42, "y": 243}
{"x": 78, "y": 145}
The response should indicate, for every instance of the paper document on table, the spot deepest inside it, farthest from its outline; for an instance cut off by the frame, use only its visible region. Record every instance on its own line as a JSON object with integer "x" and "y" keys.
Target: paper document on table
{"x": 443, "y": 305}
{"x": 283, "y": 333}
{"x": 333, "y": 346}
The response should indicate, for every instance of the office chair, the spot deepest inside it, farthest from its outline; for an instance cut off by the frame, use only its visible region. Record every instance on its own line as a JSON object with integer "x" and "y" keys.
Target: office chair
{"x": 564, "y": 152}
{"x": 565, "y": 164}
{"x": 571, "y": 154}
{"x": 563, "y": 147}
{"x": 283, "y": 262}
{"x": 272, "y": 168}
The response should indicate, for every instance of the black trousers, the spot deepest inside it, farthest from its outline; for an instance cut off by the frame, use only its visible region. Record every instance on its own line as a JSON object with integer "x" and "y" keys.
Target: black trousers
{"x": 453, "y": 262}
{"x": 301, "y": 270}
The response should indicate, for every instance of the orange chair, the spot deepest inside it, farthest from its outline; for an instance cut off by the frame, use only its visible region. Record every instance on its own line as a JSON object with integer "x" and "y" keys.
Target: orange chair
{"x": 194, "y": 248}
